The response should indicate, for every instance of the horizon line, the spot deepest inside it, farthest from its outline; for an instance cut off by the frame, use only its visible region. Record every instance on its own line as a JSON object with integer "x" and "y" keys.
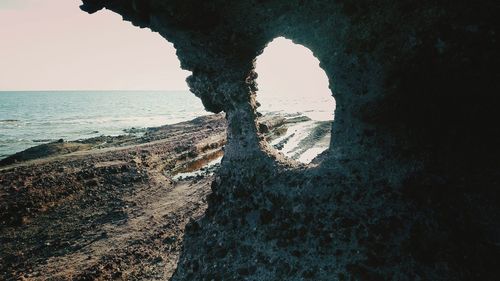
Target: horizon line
{"x": 97, "y": 90}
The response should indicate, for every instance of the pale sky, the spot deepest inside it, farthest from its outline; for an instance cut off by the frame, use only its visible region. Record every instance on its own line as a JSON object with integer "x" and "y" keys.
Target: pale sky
{"x": 53, "y": 45}
{"x": 285, "y": 68}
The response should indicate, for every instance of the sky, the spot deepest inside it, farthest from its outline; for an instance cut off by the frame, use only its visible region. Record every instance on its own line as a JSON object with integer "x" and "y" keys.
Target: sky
{"x": 53, "y": 45}
{"x": 285, "y": 69}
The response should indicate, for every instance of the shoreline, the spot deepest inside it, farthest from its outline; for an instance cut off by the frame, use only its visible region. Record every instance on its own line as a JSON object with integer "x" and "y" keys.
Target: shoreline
{"x": 313, "y": 134}
{"x": 111, "y": 207}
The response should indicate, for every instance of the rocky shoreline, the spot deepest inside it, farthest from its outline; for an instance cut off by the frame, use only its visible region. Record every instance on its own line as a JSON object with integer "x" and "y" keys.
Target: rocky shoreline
{"x": 108, "y": 210}
{"x": 110, "y": 207}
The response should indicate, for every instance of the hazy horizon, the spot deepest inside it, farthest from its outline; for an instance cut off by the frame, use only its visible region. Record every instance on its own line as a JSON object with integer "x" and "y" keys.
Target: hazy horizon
{"x": 58, "y": 47}
{"x": 96, "y": 90}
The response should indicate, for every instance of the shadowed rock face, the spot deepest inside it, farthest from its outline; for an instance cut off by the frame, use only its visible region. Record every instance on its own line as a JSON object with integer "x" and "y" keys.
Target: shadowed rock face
{"x": 409, "y": 187}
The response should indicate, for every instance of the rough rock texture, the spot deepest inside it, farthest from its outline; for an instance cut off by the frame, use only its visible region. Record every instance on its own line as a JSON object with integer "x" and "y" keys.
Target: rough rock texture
{"x": 105, "y": 213}
{"x": 115, "y": 209}
{"x": 409, "y": 187}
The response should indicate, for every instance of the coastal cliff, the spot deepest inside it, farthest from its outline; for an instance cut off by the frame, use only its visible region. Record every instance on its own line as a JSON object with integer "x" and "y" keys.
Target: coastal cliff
{"x": 408, "y": 189}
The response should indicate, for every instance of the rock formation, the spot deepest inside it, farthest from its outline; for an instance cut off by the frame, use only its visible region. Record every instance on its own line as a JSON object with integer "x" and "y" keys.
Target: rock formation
{"x": 409, "y": 187}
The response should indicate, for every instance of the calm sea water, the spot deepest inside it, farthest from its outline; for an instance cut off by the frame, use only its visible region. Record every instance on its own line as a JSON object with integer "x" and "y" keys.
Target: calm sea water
{"x": 31, "y": 118}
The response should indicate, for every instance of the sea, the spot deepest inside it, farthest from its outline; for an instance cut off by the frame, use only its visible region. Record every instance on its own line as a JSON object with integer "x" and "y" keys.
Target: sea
{"x": 31, "y": 118}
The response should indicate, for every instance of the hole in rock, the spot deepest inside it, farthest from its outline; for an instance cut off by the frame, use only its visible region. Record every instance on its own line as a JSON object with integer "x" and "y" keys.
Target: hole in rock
{"x": 295, "y": 100}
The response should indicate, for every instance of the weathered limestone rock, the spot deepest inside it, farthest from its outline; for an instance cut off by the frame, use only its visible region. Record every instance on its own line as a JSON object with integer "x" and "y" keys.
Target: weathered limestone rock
{"x": 409, "y": 187}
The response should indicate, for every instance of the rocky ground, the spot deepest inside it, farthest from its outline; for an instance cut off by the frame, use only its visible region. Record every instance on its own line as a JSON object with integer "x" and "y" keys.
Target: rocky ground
{"x": 106, "y": 211}
{"x": 109, "y": 207}
{"x": 409, "y": 188}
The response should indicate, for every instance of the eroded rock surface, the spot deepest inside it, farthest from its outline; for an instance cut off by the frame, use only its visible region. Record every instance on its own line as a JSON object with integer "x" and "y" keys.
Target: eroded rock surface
{"x": 116, "y": 209}
{"x": 111, "y": 211}
{"x": 409, "y": 187}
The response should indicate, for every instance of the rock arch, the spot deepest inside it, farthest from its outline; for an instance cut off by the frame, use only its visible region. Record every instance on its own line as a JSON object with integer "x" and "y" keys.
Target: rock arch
{"x": 413, "y": 162}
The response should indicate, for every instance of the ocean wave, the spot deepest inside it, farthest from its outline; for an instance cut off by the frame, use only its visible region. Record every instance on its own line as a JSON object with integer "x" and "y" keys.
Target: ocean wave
{"x": 10, "y": 121}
